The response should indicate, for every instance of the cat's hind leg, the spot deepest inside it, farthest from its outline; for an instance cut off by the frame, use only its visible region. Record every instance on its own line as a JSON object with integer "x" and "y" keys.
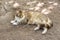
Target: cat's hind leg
{"x": 44, "y": 30}
{"x": 37, "y": 28}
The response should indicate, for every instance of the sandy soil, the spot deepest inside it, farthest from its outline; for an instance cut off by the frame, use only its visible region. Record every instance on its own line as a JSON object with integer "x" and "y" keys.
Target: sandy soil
{"x": 26, "y": 32}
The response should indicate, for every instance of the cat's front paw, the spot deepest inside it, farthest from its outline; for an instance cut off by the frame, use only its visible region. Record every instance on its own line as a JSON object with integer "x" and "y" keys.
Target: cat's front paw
{"x": 12, "y": 21}
{"x": 15, "y": 23}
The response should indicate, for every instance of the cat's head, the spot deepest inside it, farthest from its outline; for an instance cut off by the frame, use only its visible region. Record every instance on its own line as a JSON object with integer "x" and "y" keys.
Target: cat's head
{"x": 19, "y": 13}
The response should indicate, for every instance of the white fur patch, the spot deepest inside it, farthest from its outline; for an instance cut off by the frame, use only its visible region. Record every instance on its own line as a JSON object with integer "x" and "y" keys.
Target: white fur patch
{"x": 44, "y": 31}
{"x": 36, "y": 28}
{"x": 15, "y": 23}
{"x": 45, "y": 11}
{"x": 12, "y": 21}
{"x": 17, "y": 20}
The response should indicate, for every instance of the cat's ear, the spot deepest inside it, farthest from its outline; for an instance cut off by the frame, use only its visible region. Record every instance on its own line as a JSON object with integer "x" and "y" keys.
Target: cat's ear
{"x": 20, "y": 11}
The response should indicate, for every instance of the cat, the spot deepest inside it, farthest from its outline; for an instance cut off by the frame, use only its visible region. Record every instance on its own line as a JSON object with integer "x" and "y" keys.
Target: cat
{"x": 32, "y": 17}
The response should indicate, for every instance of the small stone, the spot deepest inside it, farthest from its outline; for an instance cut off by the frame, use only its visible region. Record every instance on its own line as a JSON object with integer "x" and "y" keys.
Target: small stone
{"x": 31, "y": 8}
{"x": 37, "y": 8}
{"x": 6, "y": 2}
{"x": 31, "y": 2}
{"x": 40, "y": 4}
{"x": 43, "y": 10}
{"x": 47, "y": 12}
{"x": 50, "y": 7}
{"x": 55, "y": 4}
{"x": 50, "y": 2}
{"x": 16, "y": 5}
{"x": 11, "y": 2}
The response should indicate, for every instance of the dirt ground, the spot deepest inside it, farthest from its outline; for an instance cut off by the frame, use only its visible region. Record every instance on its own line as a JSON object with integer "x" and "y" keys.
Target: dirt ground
{"x": 26, "y": 32}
